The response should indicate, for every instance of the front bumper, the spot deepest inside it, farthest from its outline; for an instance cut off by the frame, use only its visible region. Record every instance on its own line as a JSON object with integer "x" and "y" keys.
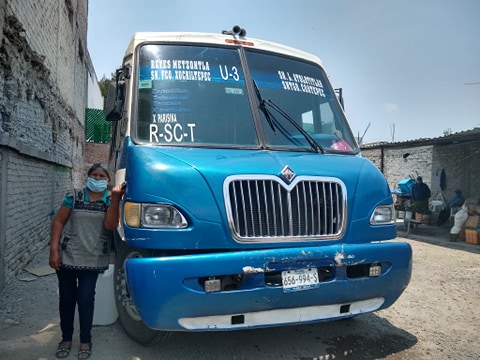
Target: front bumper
{"x": 168, "y": 294}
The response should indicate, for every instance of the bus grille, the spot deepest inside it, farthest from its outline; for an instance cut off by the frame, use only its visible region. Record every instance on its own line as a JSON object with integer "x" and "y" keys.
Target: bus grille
{"x": 267, "y": 209}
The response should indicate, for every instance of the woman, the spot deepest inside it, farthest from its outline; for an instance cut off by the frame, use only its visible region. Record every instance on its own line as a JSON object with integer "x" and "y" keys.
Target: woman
{"x": 79, "y": 251}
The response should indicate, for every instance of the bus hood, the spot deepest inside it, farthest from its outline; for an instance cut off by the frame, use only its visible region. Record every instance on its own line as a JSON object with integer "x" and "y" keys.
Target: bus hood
{"x": 192, "y": 178}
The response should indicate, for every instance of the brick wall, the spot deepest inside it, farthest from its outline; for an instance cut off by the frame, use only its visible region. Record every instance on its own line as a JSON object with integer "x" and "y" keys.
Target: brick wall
{"x": 43, "y": 87}
{"x": 96, "y": 152}
{"x": 30, "y": 207}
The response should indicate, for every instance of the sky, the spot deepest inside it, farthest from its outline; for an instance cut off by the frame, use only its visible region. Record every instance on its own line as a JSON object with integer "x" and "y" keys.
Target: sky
{"x": 408, "y": 69}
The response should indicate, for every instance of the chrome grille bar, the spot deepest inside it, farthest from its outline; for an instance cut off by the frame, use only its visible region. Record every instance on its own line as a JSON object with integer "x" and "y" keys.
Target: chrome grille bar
{"x": 264, "y": 208}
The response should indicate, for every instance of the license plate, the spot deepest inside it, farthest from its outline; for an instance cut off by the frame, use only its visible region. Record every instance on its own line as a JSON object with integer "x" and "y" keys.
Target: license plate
{"x": 299, "y": 279}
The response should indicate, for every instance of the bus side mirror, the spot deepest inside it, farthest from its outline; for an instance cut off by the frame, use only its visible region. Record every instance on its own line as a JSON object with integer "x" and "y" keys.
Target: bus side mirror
{"x": 115, "y": 101}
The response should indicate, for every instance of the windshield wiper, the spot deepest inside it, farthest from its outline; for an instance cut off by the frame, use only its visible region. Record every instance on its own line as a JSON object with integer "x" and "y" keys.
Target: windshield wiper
{"x": 315, "y": 146}
{"x": 264, "y": 108}
{"x": 269, "y": 116}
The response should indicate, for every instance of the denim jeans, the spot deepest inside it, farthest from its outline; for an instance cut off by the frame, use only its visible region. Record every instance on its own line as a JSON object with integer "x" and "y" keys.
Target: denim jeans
{"x": 76, "y": 287}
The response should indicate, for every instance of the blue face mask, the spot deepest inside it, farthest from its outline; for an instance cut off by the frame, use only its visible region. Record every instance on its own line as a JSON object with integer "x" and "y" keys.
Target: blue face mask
{"x": 97, "y": 185}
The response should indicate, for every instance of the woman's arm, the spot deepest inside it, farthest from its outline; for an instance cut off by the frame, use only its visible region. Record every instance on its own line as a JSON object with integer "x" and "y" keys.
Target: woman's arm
{"x": 113, "y": 212}
{"x": 57, "y": 226}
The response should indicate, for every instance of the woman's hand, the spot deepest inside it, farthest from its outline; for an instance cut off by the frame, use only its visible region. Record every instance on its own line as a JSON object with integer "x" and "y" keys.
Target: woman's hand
{"x": 113, "y": 212}
{"x": 117, "y": 192}
{"x": 54, "y": 260}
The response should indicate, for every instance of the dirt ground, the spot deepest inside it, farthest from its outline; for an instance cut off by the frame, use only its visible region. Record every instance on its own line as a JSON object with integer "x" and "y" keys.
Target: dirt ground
{"x": 436, "y": 318}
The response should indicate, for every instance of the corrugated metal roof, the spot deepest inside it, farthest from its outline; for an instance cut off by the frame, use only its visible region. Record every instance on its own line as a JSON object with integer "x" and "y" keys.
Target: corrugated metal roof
{"x": 458, "y": 137}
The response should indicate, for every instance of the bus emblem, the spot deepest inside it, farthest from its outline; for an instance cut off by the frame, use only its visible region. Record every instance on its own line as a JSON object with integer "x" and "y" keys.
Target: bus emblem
{"x": 287, "y": 174}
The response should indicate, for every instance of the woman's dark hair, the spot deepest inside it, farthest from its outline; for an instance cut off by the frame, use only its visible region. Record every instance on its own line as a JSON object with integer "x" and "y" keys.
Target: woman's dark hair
{"x": 101, "y": 166}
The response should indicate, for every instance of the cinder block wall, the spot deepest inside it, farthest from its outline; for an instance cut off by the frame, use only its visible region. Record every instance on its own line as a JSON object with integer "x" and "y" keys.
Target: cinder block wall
{"x": 461, "y": 163}
{"x": 395, "y": 166}
{"x": 43, "y": 93}
{"x": 459, "y": 160}
{"x": 417, "y": 163}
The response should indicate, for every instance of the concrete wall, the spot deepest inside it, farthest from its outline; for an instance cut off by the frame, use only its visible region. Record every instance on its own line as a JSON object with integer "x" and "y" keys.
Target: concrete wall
{"x": 43, "y": 96}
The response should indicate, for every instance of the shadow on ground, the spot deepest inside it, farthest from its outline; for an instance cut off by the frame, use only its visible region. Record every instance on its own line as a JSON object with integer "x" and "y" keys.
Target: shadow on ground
{"x": 436, "y": 235}
{"x": 365, "y": 337}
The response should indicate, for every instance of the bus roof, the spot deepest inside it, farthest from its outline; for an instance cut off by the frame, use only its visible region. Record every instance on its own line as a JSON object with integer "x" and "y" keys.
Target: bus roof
{"x": 220, "y": 39}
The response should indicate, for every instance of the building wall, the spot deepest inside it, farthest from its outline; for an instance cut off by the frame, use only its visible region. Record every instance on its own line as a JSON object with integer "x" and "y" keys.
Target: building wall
{"x": 43, "y": 94}
{"x": 96, "y": 152}
{"x": 460, "y": 161}
{"x": 29, "y": 211}
{"x": 56, "y": 30}
{"x": 95, "y": 98}
{"x": 395, "y": 166}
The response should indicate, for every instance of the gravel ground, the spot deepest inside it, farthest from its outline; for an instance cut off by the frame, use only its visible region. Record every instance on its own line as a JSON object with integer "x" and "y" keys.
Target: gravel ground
{"x": 436, "y": 318}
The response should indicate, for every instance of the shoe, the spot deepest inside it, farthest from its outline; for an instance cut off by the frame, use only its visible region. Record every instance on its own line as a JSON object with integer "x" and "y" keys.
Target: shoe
{"x": 85, "y": 352}
{"x": 63, "y": 349}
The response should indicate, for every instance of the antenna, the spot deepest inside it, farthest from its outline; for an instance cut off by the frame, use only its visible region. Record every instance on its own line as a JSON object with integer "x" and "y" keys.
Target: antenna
{"x": 360, "y": 139}
{"x": 392, "y": 131}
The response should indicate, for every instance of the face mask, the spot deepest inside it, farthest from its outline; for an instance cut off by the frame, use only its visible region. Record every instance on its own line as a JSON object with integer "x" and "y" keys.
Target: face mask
{"x": 97, "y": 185}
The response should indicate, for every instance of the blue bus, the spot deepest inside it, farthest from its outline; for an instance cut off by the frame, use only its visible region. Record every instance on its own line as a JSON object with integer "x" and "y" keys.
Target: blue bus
{"x": 247, "y": 200}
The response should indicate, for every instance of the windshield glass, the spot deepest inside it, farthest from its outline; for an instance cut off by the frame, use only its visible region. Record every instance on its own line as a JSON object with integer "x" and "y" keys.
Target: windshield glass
{"x": 300, "y": 91}
{"x": 192, "y": 95}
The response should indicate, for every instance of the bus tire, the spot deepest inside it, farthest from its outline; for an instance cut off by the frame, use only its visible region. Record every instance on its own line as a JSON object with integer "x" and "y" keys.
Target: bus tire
{"x": 127, "y": 312}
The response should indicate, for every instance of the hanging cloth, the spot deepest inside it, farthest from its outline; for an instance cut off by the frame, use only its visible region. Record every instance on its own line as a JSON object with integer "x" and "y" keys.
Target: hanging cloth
{"x": 443, "y": 180}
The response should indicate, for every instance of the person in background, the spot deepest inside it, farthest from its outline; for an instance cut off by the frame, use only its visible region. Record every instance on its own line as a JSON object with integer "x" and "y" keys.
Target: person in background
{"x": 420, "y": 195}
{"x": 79, "y": 251}
{"x": 457, "y": 200}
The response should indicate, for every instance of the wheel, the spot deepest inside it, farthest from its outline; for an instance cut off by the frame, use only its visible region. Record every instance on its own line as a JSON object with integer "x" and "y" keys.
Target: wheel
{"x": 127, "y": 312}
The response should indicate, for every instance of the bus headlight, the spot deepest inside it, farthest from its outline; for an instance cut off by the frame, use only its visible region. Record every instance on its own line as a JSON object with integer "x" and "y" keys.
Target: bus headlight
{"x": 383, "y": 215}
{"x": 162, "y": 215}
{"x": 131, "y": 212}
{"x": 154, "y": 216}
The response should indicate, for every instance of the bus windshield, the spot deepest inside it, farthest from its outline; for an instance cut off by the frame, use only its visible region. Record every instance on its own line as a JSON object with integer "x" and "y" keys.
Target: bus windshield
{"x": 193, "y": 95}
{"x": 300, "y": 90}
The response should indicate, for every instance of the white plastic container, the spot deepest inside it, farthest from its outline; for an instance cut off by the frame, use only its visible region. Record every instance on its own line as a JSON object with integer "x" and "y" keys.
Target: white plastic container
{"x": 105, "y": 311}
{"x": 436, "y": 206}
